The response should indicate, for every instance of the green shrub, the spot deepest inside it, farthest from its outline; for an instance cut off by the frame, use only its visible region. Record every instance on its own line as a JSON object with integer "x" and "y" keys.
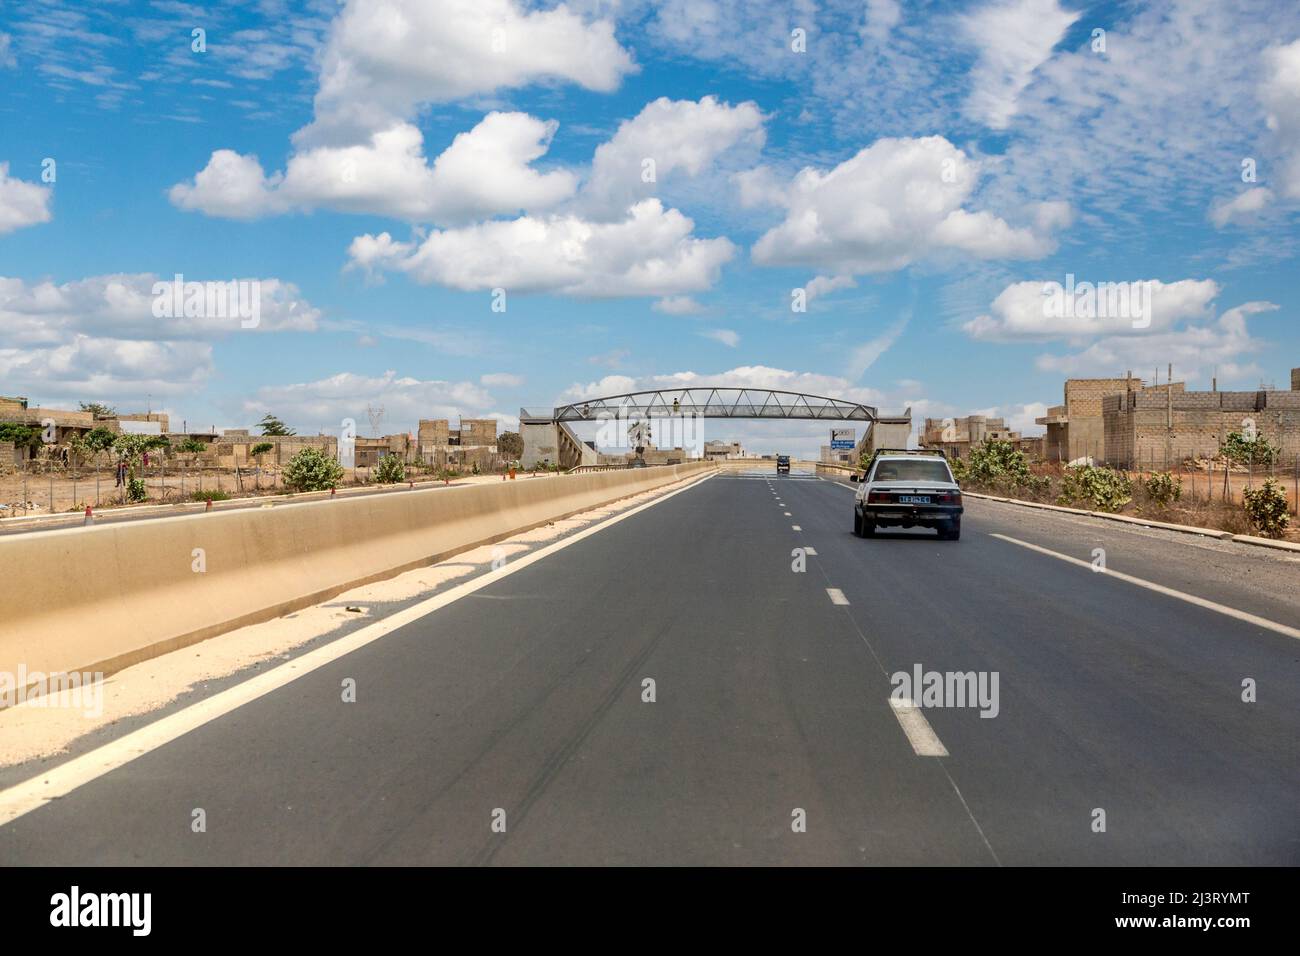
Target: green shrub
{"x": 312, "y": 470}
{"x": 261, "y": 448}
{"x": 1103, "y": 488}
{"x": 210, "y": 494}
{"x": 1266, "y": 508}
{"x": 1244, "y": 450}
{"x": 390, "y": 470}
{"x": 1001, "y": 464}
{"x": 135, "y": 489}
{"x": 191, "y": 446}
{"x": 1163, "y": 488}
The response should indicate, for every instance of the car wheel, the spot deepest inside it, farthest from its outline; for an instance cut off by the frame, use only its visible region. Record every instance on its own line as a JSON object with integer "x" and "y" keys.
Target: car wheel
{"x": 857, "y": 523}
{"x": 952, "y": 532}
{"x": 868, "y": 528}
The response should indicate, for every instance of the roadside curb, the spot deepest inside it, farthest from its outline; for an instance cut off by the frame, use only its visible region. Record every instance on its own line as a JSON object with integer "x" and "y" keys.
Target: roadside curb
{"x": 1147, "y": 523}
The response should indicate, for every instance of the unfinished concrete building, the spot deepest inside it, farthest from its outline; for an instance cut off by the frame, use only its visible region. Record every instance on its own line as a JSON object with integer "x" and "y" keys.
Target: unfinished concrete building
{"x": 957, "y": 436}
{"x": 1075, "y": 429}
{"x": 473, "y": 443}
{"x": 1161, "y": 426}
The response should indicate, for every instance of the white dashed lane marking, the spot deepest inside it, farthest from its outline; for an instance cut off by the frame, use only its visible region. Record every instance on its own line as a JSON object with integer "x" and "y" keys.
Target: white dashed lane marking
{"x": 836, "y": 596}
{"x": 925, "y": 742}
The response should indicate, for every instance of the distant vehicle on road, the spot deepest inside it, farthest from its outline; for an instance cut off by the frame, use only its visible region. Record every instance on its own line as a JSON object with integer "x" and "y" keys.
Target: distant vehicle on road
{"x": 907, "y": 489}
{"x": 783, "y": 464}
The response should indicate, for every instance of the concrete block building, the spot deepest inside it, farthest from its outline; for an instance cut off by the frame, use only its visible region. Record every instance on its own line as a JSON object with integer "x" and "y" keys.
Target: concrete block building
{"x": 473, "y": 443}
{"x": 957, "y": 436}
{"x": 1159, "y": 427}
{"x": 1075, "y": 429}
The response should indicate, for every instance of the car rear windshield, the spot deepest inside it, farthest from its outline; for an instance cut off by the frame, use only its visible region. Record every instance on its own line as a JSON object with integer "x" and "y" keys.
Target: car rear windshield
{"x": 912, "y": 469}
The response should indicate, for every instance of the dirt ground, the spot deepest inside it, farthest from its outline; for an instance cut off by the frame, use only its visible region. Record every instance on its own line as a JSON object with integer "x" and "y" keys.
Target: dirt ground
{"x": 1207, "y": 501}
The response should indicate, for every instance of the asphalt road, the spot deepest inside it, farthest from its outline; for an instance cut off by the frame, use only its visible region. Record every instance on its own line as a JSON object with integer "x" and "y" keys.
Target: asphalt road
{"x": 770, "y": 698}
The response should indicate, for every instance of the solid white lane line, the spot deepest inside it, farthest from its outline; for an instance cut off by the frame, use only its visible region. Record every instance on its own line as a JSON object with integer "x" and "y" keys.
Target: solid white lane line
{"x": 1161, "y": 589}
{"x": 837, "y": 596}
{"x": 925, "y": 742}
{"x": 58, "y": 782}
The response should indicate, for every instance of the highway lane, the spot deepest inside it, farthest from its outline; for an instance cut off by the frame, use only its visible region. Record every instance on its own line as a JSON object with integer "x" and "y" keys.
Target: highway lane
{"x": 770, "y": 698}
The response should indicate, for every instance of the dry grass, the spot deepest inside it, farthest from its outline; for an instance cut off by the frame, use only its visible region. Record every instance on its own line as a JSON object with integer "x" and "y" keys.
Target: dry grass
{"x": 1191, "y": 509}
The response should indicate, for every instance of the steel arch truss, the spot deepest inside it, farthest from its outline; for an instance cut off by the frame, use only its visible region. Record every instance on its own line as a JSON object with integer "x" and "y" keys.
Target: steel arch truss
{"x": 717, "y": 403}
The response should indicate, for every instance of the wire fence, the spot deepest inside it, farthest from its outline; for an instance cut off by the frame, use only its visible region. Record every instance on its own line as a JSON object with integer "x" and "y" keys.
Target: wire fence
{"x": 49, "y": 486}
{"x": 1205, "y": 474}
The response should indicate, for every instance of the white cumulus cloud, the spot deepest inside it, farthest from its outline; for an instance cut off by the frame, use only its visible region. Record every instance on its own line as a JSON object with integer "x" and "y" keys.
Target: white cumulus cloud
{"x": 485, "y": 171}
{"x": 667, "y": 136}
{"x": 21, "y": 203}
{"x": 325, "y": 402}
{"x": 651, "y": 252}
{"x": 1025, "y": 310}
{"x": 895, "y": 202}
{"x": 384, "y": 58}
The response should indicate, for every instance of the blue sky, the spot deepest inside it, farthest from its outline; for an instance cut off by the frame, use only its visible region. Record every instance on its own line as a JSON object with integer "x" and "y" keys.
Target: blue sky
{"x": 381, "y": 166}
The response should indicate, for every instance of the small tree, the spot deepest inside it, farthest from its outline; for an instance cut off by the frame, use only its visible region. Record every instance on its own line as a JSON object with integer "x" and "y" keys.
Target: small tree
{"x": 78, "y": 451}
{"x": 271, "y": 425}
{"x": 98, "y": 409}
{"x": 390, "y": 470}
{"x": 1243, "y": 449}
{"x": 260, "y": 449}
{"x": 1266, "y": 507}
{"x": 312, "y": 470}
{"x": 131, "y": 448}
{"x": 99, "y": 439}
{"x": 510, "y": 445}
{"x": 192, "y": 446}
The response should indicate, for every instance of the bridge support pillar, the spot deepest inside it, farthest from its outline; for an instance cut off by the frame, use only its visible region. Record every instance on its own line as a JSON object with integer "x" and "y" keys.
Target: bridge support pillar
{"x": 889, "y": 433}
{"x": 541, "y": 444}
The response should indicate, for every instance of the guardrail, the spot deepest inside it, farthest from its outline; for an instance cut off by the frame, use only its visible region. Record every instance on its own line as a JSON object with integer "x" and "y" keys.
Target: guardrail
{"x": 588, "y": 469}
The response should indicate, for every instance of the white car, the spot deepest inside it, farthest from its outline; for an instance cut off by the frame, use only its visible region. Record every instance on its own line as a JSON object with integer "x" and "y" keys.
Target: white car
{"x": 908, "y": 489}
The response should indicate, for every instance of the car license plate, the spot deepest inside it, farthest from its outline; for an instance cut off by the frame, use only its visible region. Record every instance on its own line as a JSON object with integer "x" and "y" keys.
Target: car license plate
{"x": 913, "y": 499}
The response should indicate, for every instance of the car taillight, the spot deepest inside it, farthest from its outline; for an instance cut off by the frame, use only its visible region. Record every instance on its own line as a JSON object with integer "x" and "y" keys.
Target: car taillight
{"x": 949, "y": 498}
{"x": 878, "y": 497}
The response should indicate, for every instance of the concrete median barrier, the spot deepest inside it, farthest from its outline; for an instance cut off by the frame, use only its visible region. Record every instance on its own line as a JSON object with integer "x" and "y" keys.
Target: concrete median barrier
{"x": 103, "y": 597}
